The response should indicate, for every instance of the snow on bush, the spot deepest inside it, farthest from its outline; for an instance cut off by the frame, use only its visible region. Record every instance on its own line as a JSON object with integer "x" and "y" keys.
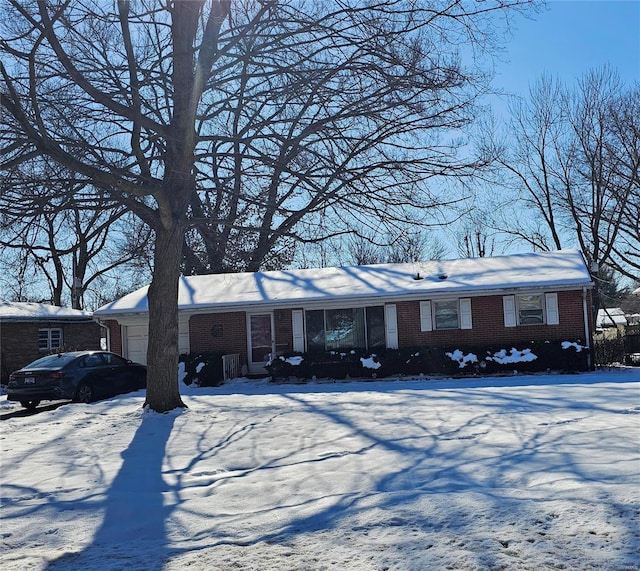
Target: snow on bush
{"x": 369, "y": 363}
{"x": 577, "y": 346}
{"x": 461, "y": 358}
{"x": 294, "y": 360}
{"x": 182, "y": 372}
{"x": 514, "y": 356}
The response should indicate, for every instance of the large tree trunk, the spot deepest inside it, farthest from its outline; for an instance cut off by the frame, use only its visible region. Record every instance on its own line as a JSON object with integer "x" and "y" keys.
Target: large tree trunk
{"x": 163, "y": 391}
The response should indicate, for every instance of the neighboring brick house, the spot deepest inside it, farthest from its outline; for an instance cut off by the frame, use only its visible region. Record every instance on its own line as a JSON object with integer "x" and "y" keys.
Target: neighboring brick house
{"x": 30, "y": 330}
{"x": 506, "y": 299}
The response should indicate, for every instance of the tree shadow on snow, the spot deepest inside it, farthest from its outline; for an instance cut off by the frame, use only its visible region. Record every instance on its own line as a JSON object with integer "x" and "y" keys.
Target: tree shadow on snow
{"x": 439, "y": 465}
{"x": 132, "y": 533}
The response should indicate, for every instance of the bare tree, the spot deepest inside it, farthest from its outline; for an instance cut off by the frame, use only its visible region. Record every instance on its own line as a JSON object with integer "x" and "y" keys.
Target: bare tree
{"x": 575, "y": 167}
{"x": 624, "y": 148}
{"x": 350, "y": 139}
{"x": 410, "y": 246}
{"x": 74, "y": 236}
{"x": 476, "y": 237}
{"x": 247, "y": 126}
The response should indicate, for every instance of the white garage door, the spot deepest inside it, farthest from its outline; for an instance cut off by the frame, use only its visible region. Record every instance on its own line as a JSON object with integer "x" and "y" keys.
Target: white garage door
{"x": 137, "y": 340}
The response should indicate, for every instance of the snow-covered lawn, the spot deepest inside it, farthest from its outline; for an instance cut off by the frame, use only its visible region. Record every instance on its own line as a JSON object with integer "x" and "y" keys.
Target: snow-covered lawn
{"x": 527, "y": 472}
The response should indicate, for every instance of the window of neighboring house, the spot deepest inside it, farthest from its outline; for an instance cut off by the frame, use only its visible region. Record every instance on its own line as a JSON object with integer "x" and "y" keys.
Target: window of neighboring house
{"x": 530, "y": 309}
{"x": 349, "y": 328}
{"x": 49, "y": 339}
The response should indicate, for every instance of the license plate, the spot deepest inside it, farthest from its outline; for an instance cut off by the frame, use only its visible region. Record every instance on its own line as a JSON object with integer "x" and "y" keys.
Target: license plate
{"x": 29, "y": 380}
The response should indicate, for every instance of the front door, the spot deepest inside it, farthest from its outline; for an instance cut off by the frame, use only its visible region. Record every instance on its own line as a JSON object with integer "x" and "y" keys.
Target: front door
{"x": 261, "y": 346}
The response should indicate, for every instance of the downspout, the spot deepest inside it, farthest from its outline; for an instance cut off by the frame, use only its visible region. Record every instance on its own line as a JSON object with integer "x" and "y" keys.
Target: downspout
{"x": 587, "y": 336}
{"x": 108, "y": 335}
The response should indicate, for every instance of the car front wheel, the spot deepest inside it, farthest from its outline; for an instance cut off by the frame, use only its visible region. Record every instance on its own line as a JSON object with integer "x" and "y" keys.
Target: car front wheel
{"x": 30, "y": 404}
{"x": 84, "y": 393}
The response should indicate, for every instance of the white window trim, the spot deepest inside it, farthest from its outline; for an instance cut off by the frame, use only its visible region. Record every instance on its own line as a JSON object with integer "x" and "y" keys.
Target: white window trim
{"x": 426, "y": 320}
{"x": 391, "y": 325}
{"x": 49, "y": 346}
{"x": 465, "y": 316}
{"x": 509, "y": 310}
{"x": 297, "y": 326}
{"x": 551, "y": 310}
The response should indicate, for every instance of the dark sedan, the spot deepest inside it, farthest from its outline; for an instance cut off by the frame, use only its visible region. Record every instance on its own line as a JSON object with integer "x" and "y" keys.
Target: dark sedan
{"x": 79, "y": 375}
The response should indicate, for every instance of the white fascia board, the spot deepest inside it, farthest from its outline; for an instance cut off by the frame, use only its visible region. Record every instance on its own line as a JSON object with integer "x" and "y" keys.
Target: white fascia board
{"x": 341, "y": 302}
{"x": 124, "y": 317}
{"x": 46, "y": 319}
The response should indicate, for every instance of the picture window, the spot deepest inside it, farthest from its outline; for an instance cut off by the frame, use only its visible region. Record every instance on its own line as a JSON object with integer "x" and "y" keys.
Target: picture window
{"x": 349, "y": 328}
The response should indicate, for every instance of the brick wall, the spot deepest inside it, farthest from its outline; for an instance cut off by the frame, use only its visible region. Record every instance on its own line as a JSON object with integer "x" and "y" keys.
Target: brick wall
{"x": 227, "y": 332}
{"x": 284, "y": 330}
{"x": 488, "y": 324}
{"x": 115, "y": 335}
{"x": 19, "y": 340}
{"x": 219, "y": 332}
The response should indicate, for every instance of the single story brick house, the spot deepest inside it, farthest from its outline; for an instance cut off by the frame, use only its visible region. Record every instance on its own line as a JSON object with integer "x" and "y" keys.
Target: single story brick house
{"x": 30, "y": 330}
{"x": 505, "y": 299}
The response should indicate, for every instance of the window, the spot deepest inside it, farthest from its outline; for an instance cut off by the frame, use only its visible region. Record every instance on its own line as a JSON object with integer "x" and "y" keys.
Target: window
{"x": 446, "y": 314}
{"x": 344, "y": 328}
{"x": 531, "y": 309}
{"x": 349, "y": 328}
{"x": 49, "y": 339}
{"x": 315, "y": 330}
{"x": 375, "y": 327}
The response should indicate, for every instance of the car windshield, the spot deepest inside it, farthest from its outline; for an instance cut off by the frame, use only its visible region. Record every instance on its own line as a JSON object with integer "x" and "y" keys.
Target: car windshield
{"x": 51, "y": 361}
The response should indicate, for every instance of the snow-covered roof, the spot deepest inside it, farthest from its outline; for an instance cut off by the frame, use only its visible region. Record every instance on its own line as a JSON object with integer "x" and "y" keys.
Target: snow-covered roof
{"x": 27, "y": 311}
{"x": 610, "y": 317}
{"x": 389, "y": 281}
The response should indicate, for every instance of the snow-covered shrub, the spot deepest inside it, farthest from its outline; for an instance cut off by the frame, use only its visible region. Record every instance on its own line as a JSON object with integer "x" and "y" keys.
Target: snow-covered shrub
{"x": 285, "y": 366}
{"x": 451, "y": 361}
{"x": 537, "y": 356}
{"x": 512, "y": 356}
{"x": 204, "y": 369}
{"x": 353, "y": 363}
{"x": 462, "y": 359}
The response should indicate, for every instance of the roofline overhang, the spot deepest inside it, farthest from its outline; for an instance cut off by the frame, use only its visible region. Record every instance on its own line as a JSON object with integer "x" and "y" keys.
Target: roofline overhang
{"x": 85, "y": 319}
{"x": 348, "y": 300}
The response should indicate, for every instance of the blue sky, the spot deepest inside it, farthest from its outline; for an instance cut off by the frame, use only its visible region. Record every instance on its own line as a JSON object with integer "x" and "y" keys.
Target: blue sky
{"x": 570, "y": 37}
